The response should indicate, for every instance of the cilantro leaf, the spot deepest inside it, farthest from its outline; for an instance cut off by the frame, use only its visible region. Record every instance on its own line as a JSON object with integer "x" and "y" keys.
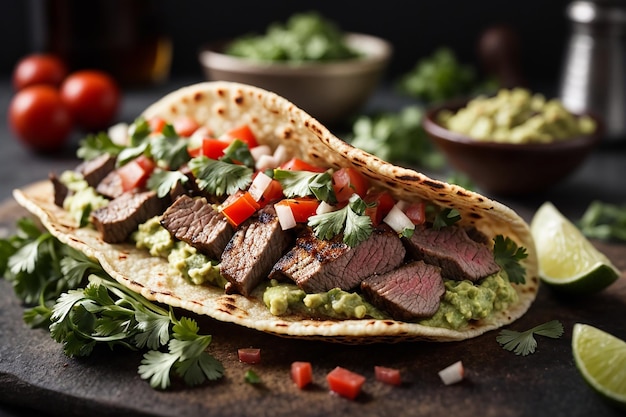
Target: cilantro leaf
{"x": 219, "y": 177}
{"x": 94, "y": 145}
{"x": 351, "y": 220}
{"x": 163, "y": 181}
{"x": 170, "y": 152}
{"x": 508, "y": 255}
{"x": 446, "y": 217}
{"x": 306, "y": 183}
{"x": 524, "y": 343}
{"x": 238, "y": 151}
{"x": 252, "y": 377}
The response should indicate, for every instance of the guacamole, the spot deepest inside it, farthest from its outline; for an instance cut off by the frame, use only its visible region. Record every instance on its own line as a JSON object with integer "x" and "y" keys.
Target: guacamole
{"x": 284, "y": 298}
{"x": 517, "y": 116}
{"x": 82, "y": 198}
{"x": 195, "y": 267}
{"x": 463, "y": 301}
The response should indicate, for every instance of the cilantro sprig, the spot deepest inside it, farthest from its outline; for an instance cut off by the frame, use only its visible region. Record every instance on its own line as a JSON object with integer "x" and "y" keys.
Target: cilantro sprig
{"x": 48, "y": 273}
{"x": 219, "y": 177}
{"x": 350, "y": 220}
{"x": 524, "y": 343}
{"x": 508, "y": 256}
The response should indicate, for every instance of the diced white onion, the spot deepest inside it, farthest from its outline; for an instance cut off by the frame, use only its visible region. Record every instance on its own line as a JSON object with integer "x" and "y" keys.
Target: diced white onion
{"x": 285, "y": 216}
{"x": 257, "y": 151}
{"x": 119, "y": 134}
{"x": 397, "y": 220}
{"x": 259, "y": 185}
{"x": 265, "y": 162}
{"x": 324, "y": 207}
{"x": 280, "y": 155}
{"x": 452, "y": 374}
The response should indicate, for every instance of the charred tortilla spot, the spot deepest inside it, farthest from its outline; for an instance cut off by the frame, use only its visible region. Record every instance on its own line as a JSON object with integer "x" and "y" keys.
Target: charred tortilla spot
{"x": 220, "y": 92}
{"x": 475, "y": 215}
{"x": 432, "y": 184}
{"x": 239, "y": 100}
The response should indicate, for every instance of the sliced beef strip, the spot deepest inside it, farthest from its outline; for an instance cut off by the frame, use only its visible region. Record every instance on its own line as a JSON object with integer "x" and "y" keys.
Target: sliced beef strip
{"x": 195, "y": 221}
{"x": 111, "y": 185}
{"x": 253, "y": 250}
{"x": 117, "y": 220}
{"x": 450, "y": 248}
{"x": 94, "y": 170}
{"x": 317, "y": 265}
{"x": 61, "y": 191}
{"x": 409, "y": 292}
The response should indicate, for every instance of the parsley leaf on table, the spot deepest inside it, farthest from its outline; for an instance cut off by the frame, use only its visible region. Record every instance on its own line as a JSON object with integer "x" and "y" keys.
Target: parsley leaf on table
{"x": 508, "y": 255}
{"x": 524, "y": 343}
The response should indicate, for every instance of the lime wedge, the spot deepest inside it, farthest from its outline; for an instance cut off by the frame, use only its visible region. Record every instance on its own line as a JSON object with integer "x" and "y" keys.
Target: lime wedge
{"x": 601, "y": 359}
{"x": 567, "y": 260}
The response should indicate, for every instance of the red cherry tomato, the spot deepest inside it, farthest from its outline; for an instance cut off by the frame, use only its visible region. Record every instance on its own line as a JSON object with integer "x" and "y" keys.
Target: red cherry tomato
{"x": 93, "y": 97}
{"x": 40, "y": 118}
{"x": 38, "y": 69}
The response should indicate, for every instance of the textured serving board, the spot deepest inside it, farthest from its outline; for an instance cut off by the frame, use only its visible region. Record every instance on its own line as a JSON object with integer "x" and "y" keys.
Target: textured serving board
{"x": 35, "y": 375}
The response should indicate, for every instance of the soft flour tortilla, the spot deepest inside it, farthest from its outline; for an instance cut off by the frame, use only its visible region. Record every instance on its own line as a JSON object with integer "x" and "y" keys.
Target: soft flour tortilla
{"x": 275, "y": 121}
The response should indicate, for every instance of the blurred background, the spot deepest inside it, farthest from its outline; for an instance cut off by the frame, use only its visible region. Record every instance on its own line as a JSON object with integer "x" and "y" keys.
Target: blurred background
{"x": 415, "y": 31}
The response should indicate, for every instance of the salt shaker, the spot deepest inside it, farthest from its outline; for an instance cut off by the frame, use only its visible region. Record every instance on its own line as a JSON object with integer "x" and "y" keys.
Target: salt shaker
{"x": 593, "y": 78}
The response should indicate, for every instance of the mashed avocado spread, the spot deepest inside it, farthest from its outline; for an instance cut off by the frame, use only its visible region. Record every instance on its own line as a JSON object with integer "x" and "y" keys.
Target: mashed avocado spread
{"x": 82, "y": 199}
{"x": 182, "y": 257}
{"x": 463, "y": 300}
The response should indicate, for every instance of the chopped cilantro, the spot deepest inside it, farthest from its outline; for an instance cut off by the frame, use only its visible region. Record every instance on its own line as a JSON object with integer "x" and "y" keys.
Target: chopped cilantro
{"x": 446, "y": 217}
{"x": 306, "y": 183}
{"x": 163, "y": 181}
{"x": 97, "y": 144}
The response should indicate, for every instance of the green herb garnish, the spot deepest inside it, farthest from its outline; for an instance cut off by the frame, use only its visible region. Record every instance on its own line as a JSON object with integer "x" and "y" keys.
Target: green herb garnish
{"x": 604, "y": 221}
{"x": 446, "y": 217}
{"x": 508, "y": 255}
{"x": 252, "y": 377}
{"x": 42, "y": 270}
{"x": 351, "y": 220}
{"x": 218, "y": 177}
{"x": 306, "y": 183}
{"x": 238, "y": 152}
{"x": 163, "y": 181}
{"x": 524, "y": 343}
{"x": 94, "y": 145}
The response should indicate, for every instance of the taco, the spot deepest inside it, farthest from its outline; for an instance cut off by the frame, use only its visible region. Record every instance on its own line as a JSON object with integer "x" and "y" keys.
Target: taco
{"x": 414, "y": 259}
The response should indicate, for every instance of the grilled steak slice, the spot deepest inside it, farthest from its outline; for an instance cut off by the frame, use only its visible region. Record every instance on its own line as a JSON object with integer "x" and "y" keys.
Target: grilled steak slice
{"x": 253, "y": 250}
{"x": 320, "y": 265}
{"x": 409, "y": 292}
{"x": 61, "y": 191}
{"x": 193, "y": 220}
{"x": 111, "y": 185}
{"x": 117, "y": 220}
{"x": 94, "y": 170}
{"x": 450, "y": 248}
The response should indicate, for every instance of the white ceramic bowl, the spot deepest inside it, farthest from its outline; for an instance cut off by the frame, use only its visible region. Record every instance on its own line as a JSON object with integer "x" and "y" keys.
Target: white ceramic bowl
{"x": 329, "y": 91}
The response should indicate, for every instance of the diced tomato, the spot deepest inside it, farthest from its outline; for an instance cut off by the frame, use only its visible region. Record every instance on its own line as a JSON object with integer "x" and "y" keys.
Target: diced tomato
{"x": 211, "y": 148}
{"x": 302, "y": 373}
{"x": 240, "y": 208}
{"x": 389, "y": 376}
{"x": 249, "y": 355}
{"x": 301, "y": 207}
{"x": 135, "y": 173}
{"x": 383, "y": 203}
{"x": 297, "y": 164}
{"x": 347, "y": 181}
{"x": 185, "y": 126}
{"x": 156, "y": 124}
{"x": 416, "y": 212}
{"x": 345, "y": 383}
{"x": 243, "y": 133}
{"x": 273, "y": 192}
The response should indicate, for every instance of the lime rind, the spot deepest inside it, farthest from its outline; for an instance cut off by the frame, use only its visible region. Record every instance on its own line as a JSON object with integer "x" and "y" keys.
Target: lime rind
{"x": 601, "y": 359}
